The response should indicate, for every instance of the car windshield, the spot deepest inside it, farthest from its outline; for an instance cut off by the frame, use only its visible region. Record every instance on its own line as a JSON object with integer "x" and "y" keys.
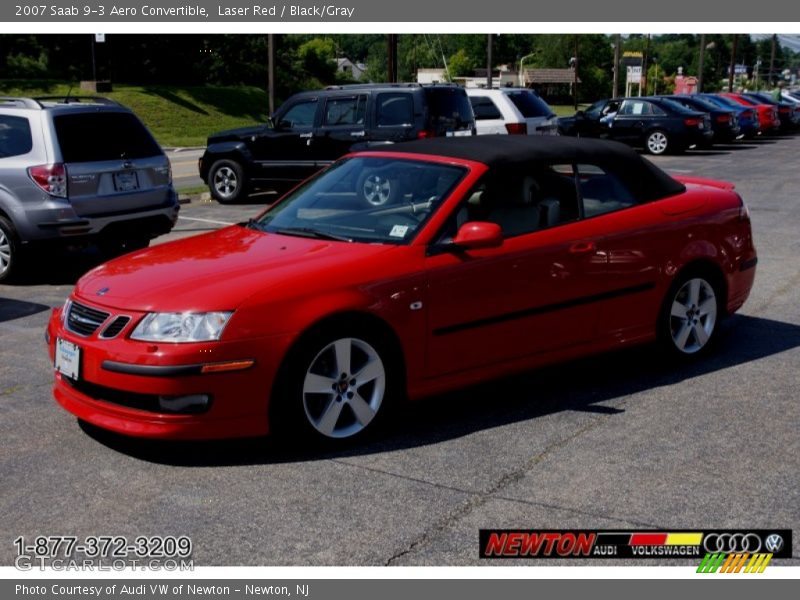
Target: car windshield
{"x": 364, "y": 199}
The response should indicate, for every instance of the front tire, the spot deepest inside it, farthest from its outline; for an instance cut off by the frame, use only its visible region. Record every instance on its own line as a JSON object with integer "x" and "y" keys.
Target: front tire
{"x": 9, "y": 250}
{"x": 690, "y": 315}
{"x": 337, "y": 386}
{"x": 657, "y": 142}
{"x": 226, "y": 181}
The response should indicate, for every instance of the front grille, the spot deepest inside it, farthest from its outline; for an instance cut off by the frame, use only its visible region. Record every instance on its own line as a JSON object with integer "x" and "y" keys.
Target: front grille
{"x": 84, "y": 320}
{"x": 115, "y": 327}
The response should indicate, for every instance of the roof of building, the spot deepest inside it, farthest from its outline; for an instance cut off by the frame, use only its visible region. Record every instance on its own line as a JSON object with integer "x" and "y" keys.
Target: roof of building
{"x": 549, "y": 76}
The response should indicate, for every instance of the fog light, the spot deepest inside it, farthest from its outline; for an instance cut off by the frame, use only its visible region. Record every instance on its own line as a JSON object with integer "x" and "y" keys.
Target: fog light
{"x": 195, "y": 403}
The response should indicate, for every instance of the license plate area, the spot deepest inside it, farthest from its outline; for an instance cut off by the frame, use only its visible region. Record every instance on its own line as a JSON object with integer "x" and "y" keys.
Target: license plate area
{"x": 68, "y": 359}
{"x": 126, "y": 181}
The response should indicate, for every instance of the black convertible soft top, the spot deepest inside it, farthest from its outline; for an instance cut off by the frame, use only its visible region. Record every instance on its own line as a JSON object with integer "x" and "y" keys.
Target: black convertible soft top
{"x": 643, "y": 178}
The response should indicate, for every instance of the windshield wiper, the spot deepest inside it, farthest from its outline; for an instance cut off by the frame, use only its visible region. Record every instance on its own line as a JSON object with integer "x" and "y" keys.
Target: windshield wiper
{"x": 312, "y": 233}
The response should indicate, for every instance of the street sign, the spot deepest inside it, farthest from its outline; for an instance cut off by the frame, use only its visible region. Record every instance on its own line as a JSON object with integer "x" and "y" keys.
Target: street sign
{"x": 634, "y": 75}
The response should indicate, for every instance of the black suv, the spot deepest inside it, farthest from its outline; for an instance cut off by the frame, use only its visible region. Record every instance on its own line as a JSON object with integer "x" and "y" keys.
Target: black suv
{"x": 312, "y": 129}
{"x": 657, "y": 124}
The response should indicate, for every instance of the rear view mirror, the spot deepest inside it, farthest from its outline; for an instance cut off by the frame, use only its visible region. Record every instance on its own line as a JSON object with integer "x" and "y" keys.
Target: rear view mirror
{"x": 580, "y": 114}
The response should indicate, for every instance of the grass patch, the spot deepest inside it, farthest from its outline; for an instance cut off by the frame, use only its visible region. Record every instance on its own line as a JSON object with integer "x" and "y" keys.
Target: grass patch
{"x": 177, "y": 116}
{"x": 567, "y": 110}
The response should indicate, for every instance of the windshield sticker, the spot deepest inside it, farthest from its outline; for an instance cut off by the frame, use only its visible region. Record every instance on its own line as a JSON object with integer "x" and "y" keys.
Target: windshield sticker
{"x": 398, "y": 231}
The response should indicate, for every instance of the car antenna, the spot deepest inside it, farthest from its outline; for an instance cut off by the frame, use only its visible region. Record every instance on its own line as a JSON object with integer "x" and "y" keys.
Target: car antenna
{"x": 69, "y": 92}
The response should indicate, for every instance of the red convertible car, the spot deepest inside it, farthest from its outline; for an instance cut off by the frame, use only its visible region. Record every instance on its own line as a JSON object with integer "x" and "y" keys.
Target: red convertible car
{"x": 398, "y": 274}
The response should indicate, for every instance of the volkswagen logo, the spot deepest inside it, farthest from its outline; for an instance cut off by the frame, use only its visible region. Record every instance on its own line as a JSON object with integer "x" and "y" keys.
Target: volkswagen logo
{"x": 732, "y": 542}
{"x": 774, "y": 543}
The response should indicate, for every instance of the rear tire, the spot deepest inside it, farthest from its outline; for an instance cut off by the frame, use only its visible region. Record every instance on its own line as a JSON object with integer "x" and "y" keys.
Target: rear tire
{"x": 657, "y": 142}
{"x": 690, "y": 315}
{"x": 226, "y": 181}
{"x": 9, "y": 250}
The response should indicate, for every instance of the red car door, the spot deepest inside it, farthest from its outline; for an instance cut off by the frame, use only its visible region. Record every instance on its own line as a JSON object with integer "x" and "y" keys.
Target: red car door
{"x": 532, "y": 294}
{"x": 636, "y": 239}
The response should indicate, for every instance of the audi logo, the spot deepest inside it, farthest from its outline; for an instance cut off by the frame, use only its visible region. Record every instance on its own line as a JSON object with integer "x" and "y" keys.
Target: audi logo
{"x": 732, "y": 542}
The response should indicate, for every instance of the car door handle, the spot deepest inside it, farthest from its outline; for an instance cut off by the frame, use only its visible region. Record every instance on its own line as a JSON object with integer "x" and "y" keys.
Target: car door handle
{"x": 582, "y": 247}
{"x": 358, "y": 133}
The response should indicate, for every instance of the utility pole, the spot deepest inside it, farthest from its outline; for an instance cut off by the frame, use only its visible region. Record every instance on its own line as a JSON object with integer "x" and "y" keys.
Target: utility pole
{"x": 617, "y": 44}
{"x": 271, "y": 72}
{"x": 733, "y": 62}
{"x": 643, "y": 81}
{"x": 489, "y": 61}
{"x": 575, "y": 74}
{"x": 772, "y": 58}
{"x": 391, "y": 43}
{"x": 701, "y": 62}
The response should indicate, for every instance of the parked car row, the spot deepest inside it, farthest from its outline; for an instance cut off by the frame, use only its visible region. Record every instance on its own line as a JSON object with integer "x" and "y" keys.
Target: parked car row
{"x": 662, "y": 124}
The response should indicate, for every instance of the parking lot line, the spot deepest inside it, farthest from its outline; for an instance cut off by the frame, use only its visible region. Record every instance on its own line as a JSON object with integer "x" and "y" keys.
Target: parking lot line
{"x": 205, "y": 220}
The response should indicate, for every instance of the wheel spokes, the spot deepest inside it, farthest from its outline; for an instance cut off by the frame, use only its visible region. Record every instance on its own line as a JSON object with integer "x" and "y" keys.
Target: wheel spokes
{"x": 682, "y": 336}
{"x": 361, "y": 409}
{"x": 369, "y": 372}
{"x": 342, "y": 349}
{"x": 678, "y": 310}
{"x": 318, "y": 384}
{"x": 330, "y": 416}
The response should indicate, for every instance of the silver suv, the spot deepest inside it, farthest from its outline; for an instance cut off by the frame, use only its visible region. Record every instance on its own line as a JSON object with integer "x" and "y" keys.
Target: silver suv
{"x": 79, "y": 169}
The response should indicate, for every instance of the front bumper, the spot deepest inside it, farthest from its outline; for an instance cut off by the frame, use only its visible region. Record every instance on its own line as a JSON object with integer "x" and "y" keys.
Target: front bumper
{"x": 120, "y": 382}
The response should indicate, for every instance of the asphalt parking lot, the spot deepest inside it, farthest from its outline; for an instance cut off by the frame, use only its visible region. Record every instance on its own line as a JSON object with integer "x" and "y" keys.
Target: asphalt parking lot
{"x": 620, "y": 441}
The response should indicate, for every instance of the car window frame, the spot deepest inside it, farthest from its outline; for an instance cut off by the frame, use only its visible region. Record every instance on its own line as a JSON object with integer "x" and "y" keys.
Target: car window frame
{"x": 397, "y": 94}
{"x": 323, "y": 124}
{"x": 280, "y": 122}
{"x": 30, "y": 140}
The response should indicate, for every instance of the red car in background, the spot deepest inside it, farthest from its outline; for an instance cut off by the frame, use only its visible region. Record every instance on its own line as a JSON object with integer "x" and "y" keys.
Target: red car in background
{"x": 398, "y": 274}
{"x": 768, "y": 116}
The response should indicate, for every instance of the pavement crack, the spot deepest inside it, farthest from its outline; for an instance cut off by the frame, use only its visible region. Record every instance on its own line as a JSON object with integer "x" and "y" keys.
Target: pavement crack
{"x": 578, "y": 511}
{"x": 476, "y": 500}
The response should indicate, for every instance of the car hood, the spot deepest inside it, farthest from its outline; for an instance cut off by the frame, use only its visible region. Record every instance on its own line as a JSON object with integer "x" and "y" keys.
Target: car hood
{"x": 218, "y": 270}
{"x": 236, "y": 134}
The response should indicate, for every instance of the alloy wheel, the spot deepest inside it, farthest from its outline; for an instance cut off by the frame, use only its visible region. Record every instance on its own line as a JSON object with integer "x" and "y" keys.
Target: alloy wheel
{"x": 226, "y": 182}
{"x": 343, "y": 388}
{"x": 693, "y": 316}
{"x": 5, "y": 253}
{"x": 657, "y": 142}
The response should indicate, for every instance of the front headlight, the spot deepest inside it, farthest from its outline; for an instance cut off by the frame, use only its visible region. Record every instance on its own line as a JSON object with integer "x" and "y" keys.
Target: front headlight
{"x": 181, "y": 327}
{"x": 65, "y": 311}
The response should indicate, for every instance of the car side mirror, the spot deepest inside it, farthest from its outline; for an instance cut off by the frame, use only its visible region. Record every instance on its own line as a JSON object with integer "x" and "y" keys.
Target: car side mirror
{"x": 478, "y": 234}
{"x": 580, "y": 114}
